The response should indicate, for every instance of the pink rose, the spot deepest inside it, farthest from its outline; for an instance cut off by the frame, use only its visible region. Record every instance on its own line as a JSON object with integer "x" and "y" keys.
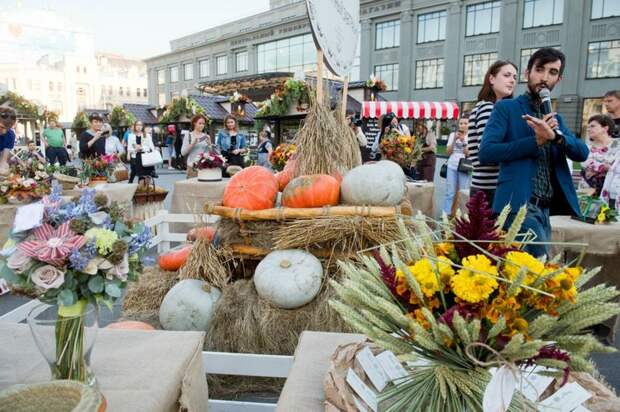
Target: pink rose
{"x": 48, "y": 277}
{"x": 18, "y": 261}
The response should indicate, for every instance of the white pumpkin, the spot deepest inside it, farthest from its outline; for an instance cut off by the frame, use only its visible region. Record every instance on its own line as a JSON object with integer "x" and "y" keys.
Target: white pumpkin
{"x": 188, "y": 306}
{"x": 375, "y": 184}
{"x": 288, "y": 278}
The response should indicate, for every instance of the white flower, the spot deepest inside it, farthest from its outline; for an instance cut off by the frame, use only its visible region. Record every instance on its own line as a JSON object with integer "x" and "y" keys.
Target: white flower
{"x": 48, "y": 277}
{"x": 18, "y": 261}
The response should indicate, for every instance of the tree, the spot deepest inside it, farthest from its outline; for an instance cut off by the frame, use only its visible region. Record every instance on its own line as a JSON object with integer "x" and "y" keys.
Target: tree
{"x": 121, "y": 117}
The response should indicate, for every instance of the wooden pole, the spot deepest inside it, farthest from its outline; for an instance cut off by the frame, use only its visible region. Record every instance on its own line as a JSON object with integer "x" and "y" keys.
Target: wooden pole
{"x": 319, "y": 76}
{"x": 345, "y": 96}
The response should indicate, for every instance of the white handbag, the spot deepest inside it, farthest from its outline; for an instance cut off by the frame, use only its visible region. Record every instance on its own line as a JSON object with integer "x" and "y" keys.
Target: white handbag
{"x": 151, "y": 158}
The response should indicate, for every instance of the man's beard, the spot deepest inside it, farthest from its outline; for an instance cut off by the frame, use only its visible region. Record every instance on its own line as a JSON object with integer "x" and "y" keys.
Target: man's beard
{"x": 534, "y": 89}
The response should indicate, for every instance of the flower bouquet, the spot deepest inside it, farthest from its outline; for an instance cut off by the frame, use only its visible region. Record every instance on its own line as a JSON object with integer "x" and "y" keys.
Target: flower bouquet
{"x": 239, "y": 98}
{"x": 376, "y": 84}
{"x": 400, "y": 148}
{"x": 81, "y": 253}
{"x": 281, "y": 155}
{"x": 26, "y": 182}
{"x": 595, "y": 210}
{"x": 209, "y": 166}
{"x": 457, "y": 304}
{"x": 98, "y": 170}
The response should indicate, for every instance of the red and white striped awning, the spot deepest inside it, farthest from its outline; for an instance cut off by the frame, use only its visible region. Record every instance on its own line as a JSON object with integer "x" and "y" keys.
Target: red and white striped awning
{"x": 411, "y": 110}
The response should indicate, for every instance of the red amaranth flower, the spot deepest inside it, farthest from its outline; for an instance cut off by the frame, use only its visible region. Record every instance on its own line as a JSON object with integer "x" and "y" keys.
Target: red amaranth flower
{"x": 552, "y": 352}
{"x": 479, "y": 225}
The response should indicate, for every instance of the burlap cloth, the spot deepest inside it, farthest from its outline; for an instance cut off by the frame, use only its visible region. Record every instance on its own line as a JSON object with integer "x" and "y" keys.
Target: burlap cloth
{"x": 422, "y": 197}
{"x": 7, "y": 216}
{"x": 339, "y": 395}
{"x": 190, "y": 196}
{"x": 136, "y": 370}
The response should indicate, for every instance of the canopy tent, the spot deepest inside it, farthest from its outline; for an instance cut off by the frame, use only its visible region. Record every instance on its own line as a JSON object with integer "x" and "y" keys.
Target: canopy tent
{"x": 411, "y": 110}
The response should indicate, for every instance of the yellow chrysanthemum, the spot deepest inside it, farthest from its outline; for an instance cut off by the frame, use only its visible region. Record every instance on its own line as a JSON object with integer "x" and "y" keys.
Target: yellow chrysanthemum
{"x": 444, "y": 248}
{"x": 475, "y": 282}
{"x": 444, "y": 266}
{"x": 424, "y": 273}
{"x": 573, "y": 273}
{"x": 518, "y": 260}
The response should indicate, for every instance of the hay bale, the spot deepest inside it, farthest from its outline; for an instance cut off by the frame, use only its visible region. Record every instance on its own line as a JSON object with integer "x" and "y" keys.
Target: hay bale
{"x": 245, "y": 323}
{"x": 207, "y": 263}
{"x": 260, "y": 234}
{"x": 148, "y": 292}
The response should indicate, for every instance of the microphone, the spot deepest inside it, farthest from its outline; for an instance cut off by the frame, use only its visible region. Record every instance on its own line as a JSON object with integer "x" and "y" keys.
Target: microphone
{"x": 545, "y": 98}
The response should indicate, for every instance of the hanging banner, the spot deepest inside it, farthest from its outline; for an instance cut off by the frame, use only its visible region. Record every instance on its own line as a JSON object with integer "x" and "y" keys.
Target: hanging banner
{"x": 336, "y": 29}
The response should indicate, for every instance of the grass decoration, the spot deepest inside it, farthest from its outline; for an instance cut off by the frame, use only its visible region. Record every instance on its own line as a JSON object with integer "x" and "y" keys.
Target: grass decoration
{"x": 244, "y": 323}
{"x": 464, "y": 310}
{"x": 322, "y": 147}
{"x": 207, "y": 263}
{"x": 144, "y": 297}
{"x": 350, "y": 146}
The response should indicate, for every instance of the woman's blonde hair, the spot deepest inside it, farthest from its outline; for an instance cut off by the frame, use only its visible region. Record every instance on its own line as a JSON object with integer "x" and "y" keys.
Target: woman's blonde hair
{"x": 133, "y": 127}
{"x": 230, "y": 117}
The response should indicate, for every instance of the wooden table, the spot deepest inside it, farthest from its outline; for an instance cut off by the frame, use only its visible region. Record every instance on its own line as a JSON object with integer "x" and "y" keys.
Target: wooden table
{"x": 303, "y": 390}
{"x": 135, "y": 370}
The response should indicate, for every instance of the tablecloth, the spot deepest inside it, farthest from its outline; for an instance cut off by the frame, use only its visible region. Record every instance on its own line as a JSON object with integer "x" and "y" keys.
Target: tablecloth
{"x": 7, "y": 216}
{"x": 422, "y": 197}
{"x": 303, "y": 390}
{"x": 190, "y": 195}
{"x": 136, "y": 370}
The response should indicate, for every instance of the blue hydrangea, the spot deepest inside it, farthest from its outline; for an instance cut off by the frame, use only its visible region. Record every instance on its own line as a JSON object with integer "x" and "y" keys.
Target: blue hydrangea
{"x": 90, "y": 249}
{"x": 56, "y": 194}
{"x": 139, "y": 240}
{"x": 78, "y": 260}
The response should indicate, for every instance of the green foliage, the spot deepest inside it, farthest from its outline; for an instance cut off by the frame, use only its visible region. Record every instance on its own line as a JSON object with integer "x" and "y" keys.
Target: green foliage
{"x": 291, "y": 91}
{"x": 23, "y": 106}
{"x": 181, "y": 107}
{"x": 121, "y": 117}
{"x": 80, "y": 121}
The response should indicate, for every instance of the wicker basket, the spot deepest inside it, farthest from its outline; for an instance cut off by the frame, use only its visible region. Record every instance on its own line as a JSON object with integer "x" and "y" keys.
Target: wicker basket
{"x": 54, "y": 396}
{"x": 149, "y": 196}
{"x": 67, "y": 182}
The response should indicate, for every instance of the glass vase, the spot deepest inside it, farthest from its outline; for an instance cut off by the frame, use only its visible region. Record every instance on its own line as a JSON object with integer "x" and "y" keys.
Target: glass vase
{"x": 65, "y": 336}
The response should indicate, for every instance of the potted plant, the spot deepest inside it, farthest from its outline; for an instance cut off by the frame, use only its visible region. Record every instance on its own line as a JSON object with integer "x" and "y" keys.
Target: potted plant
{"x": 209, "y": 166}
{"x": 98, "y": 170}
{"x": 373, "y": 86}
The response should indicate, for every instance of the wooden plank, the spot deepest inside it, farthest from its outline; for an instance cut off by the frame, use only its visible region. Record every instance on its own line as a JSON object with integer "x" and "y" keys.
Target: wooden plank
{"x": 252, "y": 251}
{"x": 345, "y": 96}
{"x": 302, "y": 213}
{"x": 216, "y": 405}
{"x": 247, "y": 364}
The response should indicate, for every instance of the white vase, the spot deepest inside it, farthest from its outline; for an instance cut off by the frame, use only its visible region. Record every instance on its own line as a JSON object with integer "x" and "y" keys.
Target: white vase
{"x": 210, "y": 175}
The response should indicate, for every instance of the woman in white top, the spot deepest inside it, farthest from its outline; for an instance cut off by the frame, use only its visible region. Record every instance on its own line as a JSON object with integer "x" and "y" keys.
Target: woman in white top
{"x": 112, "y": 144}
{"x": 457, "y": 150}
{"x": 196, "y": 141}
{"x": 139, "y": 142}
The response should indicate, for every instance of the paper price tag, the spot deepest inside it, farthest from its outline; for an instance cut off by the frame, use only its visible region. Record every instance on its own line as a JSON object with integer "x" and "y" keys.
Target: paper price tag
{"x": 391, "y": 365}
{"x": 364, "y": 392}
{"x": 532, "y": 384}
{"x": 28, "y": 217}
{"x": 372, "y": 368}
{"x": 567, "y": 398}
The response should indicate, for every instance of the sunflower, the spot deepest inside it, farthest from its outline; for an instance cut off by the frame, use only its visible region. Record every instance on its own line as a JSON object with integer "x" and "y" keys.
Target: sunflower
{"x": 476, "y": 280}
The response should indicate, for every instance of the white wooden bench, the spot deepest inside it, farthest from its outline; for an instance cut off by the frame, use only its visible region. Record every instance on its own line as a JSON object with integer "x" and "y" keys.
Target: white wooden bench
{"x": 215, "y": 363}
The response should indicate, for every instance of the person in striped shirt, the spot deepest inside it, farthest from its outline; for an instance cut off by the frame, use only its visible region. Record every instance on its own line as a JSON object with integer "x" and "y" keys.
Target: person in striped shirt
{"x": 499, "y": 83}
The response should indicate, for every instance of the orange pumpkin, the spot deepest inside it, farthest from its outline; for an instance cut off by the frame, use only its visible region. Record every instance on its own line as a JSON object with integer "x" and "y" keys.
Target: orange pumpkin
{"x": 204, "y": 232}
{"x": 173, "y": 259}
{"x": 254, "y": 188}
{"x": 311, "y": 191}
{"x": 286, "y": 175}
{"x": 130, "y": 324}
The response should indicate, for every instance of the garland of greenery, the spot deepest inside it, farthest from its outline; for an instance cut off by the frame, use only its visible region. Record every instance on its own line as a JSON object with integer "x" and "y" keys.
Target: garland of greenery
{"x": 291, "y": 91}
{"x": 80, "y": 121}
{"x": 23, "y": 106}
{"x": 179, "y": 107}
{"x": 121, "y": 117}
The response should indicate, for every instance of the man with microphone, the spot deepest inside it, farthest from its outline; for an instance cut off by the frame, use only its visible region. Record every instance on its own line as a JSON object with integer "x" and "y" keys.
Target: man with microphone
{"x": 531, "y": 144}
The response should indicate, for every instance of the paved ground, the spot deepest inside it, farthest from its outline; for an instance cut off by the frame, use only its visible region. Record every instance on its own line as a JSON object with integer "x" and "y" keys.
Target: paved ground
{"x": 608, "y": 365}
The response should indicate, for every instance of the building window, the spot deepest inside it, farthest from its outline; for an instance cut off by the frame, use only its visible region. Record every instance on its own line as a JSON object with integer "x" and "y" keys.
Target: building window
{"x": 542, "y": 13}
{"x": 389, "y": 74}
{"x": 525, "y": 57}
{"x": 51, "y": 86}
{"x": 429, "y": 74}
{"x": 144, "y": 92}
{"x": 603, "y": 59}
{"x": 161, "y": 99}
{"x": 161, "y": 76}
{"x": 475, "y": 68}
{"x": 174, "y": 74}
{"x": 128, "y": 91}
{"x": 483, "y": 18}
{"x": 188, "y": 71}
{"x": 59, "y": 86}
{"x": 387, "y": 35}
{"x": 605, "y": 8}
{"x": 138, "y": 92}
{"x": 241, "y": 61}
{"x": 110, "y": 91}
{"x": 203, "y": 67}
{"x": 120, "y": 91}
{"x": 293, "y": 54}
{"x": 221, "y": 65}
{"x": 432, "y": 26}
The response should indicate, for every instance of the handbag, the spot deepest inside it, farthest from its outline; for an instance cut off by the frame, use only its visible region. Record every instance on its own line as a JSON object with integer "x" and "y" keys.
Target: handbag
{"x": 151, "y": 158}
{"x": 465, "y": 165}
{"x": 443, "y": 172}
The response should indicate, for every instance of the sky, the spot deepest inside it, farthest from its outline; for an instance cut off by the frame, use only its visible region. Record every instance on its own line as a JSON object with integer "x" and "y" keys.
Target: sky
{"x": 144, "y": 28}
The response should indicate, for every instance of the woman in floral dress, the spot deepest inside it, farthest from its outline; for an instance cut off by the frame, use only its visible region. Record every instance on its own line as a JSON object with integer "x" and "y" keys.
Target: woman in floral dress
{"x": 603, "y": 150}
